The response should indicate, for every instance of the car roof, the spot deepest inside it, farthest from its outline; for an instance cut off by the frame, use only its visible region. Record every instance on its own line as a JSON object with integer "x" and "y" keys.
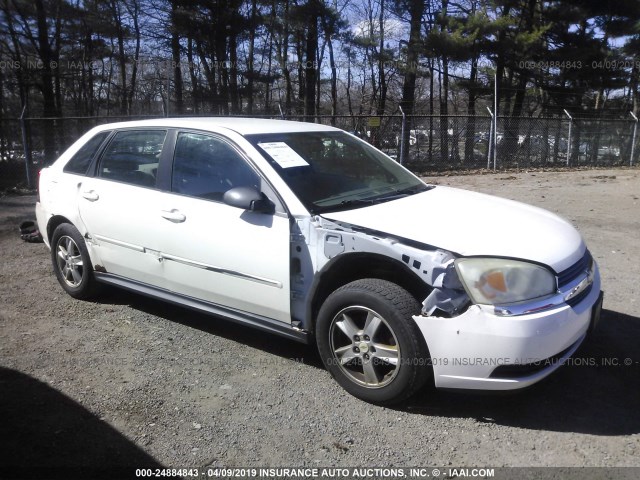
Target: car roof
{"x": 241, "y": 125}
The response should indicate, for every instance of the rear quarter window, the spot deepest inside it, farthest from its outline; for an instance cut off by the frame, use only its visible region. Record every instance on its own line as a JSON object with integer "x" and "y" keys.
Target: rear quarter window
{"x": 80, "y": 162}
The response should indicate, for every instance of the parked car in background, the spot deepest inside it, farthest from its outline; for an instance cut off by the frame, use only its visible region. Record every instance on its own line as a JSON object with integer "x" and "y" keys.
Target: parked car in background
{"x": 308, "y": 232}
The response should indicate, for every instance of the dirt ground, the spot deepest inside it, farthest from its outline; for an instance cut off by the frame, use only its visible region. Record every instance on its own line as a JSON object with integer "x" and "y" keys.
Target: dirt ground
{"x": 133, "y": 382}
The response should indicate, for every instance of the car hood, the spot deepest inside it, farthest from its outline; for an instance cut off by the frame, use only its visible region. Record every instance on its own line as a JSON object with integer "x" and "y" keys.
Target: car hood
{"x": 470, "y": 224}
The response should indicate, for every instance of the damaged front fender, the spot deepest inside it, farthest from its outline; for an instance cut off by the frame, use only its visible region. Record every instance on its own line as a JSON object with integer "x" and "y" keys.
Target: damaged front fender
{"x": 435, "y": 267}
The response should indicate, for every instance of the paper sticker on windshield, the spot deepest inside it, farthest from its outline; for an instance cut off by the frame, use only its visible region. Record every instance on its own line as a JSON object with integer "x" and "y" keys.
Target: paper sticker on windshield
{"x": 283, "y": 154}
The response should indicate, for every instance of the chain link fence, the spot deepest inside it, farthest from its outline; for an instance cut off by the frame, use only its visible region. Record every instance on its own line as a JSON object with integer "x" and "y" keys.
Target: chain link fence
{"x": 437, "y": 143}
{"x": 432, "y": 143}
{"x": 571, "y": 142}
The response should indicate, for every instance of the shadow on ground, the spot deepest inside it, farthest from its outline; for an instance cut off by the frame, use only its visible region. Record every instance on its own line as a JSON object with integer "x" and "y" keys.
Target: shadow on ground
{"x": 597, "y": 393}
{"x": 220, "y": 327}
{"x": 44, "y": 434}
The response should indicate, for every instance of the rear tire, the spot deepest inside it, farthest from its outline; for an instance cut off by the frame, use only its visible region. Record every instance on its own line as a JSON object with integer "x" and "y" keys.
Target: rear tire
{"x": 71, "y": 262}
{"x": 369, "y": 342}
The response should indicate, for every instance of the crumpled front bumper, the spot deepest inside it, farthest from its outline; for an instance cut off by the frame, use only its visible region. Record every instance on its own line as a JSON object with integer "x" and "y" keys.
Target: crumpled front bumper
{"x": 482, "y": 350}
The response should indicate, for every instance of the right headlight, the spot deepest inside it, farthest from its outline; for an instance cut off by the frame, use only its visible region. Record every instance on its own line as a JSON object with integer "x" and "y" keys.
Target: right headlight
{"x": 499, "y": 281}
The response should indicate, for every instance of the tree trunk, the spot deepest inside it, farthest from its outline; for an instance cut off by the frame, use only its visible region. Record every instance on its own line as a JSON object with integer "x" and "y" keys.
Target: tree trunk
{"x": 416, "y": 10}
{"x": 223, "y": 69}
{"x": 311, "y": 47}
{"x": 195, "y": 86}
{"x": 134, "y": 69}
{"x": 334, "y": 72}
{"x": 283, "y": 58}
{"x": 267, "y": 81}
{"x": 382, "y": 80}
{"x": 252, "y": 41}
{"x": 349, "y": 103}
{"x": 301, "y": 76}
{"x": 234, "y": 96}
{"x": 470, "y": 142}
{"x": 444, "y": 97}
{"x": 122, "y": 59}
{"x": 175, "y": 56}
{"x": 55, "y": 55}
{"x": 500, "y": 68}
{"x": 17, "y": 56}
{"x": 319, "y": 57}
{"x": 48, "y": 94}
{"x": 210, "y": 75}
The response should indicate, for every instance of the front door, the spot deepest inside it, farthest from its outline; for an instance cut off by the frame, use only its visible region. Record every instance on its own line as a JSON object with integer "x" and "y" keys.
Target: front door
{"x": 215, "y": 252}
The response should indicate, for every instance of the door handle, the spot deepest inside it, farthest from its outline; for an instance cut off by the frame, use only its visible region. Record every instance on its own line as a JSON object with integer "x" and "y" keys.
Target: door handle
{"x": 90, "y": 195}
{"x": 173, "y": 215}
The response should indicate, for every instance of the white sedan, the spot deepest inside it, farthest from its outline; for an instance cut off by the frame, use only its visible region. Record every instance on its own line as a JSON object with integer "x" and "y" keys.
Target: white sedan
{"x": 307, "y": 232}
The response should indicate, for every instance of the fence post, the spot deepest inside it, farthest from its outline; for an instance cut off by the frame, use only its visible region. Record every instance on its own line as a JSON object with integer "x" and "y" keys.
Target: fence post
{"x": 633, "y": 138}
{"x": 402, "y": 130}
{"x": 569, "y": 140}
{"x": 25, "y": 147}
{"x": 490, "y": 140}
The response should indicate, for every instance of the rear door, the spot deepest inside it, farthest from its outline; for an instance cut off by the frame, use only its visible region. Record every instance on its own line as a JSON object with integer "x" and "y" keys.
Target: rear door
{"x": 119, "y": 206}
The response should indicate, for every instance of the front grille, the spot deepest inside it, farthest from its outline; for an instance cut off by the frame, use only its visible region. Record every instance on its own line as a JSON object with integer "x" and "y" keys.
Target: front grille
{"x": 581, "y": 266}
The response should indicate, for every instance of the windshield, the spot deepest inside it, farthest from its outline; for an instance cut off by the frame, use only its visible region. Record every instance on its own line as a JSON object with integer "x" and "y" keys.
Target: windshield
{"x": 331, "y": 171}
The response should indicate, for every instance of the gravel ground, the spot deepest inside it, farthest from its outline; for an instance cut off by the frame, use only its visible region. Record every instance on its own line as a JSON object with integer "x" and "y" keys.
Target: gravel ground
{"x": 131, "y": 381}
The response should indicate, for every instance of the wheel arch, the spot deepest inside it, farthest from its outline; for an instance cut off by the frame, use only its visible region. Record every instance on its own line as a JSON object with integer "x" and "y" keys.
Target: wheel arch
{"x": 349, "y": 267}
{"x": 54, "y": 222}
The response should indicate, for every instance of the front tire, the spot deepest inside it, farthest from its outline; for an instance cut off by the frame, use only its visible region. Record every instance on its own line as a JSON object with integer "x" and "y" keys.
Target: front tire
{"x": 369, "y": 342}
{"x": 71, "y": 262}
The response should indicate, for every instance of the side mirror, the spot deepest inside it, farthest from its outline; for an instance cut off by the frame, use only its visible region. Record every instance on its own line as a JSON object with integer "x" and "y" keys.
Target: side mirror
{"x": 248, "y": 198}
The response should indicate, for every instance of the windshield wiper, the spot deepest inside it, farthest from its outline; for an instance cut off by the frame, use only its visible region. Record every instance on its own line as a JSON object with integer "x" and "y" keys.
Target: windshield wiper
{"x": 405, "y": 192}
{"x": 346, "y": 205}
{"x": 363, "y": 202}
{"x": 415, "y": 189}
{"x": 358, "y": 201}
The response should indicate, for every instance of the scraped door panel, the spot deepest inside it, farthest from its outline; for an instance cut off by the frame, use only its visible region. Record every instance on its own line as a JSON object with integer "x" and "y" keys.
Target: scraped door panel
{"x": 120, "y": 207}
{"x": 123, "y": 222}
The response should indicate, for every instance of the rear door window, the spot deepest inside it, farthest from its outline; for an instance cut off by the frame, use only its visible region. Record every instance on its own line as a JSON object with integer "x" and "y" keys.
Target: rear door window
{"x": 132, "y": 157}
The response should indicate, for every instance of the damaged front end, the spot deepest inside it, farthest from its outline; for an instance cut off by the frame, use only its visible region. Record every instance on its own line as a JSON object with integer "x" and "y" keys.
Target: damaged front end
{"x": 446, "y": 296}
